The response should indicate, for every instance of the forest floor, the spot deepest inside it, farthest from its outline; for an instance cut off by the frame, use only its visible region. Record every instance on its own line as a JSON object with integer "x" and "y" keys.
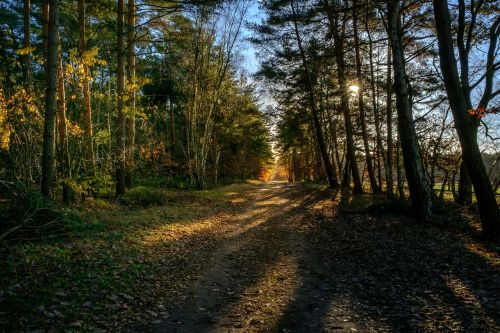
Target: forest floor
{"x": 271, "y": 257}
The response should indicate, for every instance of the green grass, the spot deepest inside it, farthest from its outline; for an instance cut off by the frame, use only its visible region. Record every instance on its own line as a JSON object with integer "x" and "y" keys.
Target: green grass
{"x": 79, "y": 279}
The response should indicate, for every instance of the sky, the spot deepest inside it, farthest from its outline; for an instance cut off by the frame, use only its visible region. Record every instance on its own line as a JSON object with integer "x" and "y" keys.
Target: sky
{"x": 251, "y": 63}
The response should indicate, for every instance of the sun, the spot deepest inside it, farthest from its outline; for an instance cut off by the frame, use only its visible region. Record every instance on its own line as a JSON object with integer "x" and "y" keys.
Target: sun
{"x": 354, "y": 88}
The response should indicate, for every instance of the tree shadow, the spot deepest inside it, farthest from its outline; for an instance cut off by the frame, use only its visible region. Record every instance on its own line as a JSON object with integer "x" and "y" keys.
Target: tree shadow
{"x": 356, "y": 271}
{"x": 383, "y": 273}
{"x": 240, "y": 261}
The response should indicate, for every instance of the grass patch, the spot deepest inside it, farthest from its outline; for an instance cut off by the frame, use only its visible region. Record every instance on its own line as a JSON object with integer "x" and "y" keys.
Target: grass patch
{"x": 120, "y": 249}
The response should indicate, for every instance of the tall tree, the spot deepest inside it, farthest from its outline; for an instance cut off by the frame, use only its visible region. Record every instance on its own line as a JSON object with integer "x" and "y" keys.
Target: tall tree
{"x": 333, "y": 14}
{"x": 48, "y": 152}
{"x": 120, "y": 95}
{"x": 131, "y": 78}
{"x": 467, "y": 119}
{"x": 313, "y": 104}
{"x": 361, "y": 103}
{"x": 86, "y": 89}
{"x": 388, "y": 171}
{"x": 62, "y": 129}
{"x": 418, "y": 184}
{"x": 27, "y": 43}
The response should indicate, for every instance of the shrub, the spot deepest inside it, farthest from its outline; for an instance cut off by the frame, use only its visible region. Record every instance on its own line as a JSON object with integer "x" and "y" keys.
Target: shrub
{"x": 145, "y": 196}
{"x": 28, "y": 215}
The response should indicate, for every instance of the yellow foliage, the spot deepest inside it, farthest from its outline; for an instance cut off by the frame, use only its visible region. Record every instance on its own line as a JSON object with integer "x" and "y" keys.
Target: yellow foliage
{"x": 18, "y": 113}
{"x": 4, "y": 128}
{"x": 74, "y": 129}
{"x": 25, "y": 50}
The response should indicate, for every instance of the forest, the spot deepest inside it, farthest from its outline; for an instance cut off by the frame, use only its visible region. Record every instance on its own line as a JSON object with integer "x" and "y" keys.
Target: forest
{"x": 249, "y": 165}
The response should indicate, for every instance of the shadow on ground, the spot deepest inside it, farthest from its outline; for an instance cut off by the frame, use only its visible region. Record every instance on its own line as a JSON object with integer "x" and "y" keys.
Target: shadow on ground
{"x": 288, "y": 263}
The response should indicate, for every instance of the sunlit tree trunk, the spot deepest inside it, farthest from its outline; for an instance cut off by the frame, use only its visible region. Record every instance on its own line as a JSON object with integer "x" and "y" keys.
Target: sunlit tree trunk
{"x": 420, "y": 191}
{"x": 48, "y": 151}
{"x": 90, "y": 158}
{"x": 465, "y": 123}
{"x": 120, "y": 94}
{"x": 62, "y": 130}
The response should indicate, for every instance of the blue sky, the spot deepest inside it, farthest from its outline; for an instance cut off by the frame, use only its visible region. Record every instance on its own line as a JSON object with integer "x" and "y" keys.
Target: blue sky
{"x": 247, "y": 50}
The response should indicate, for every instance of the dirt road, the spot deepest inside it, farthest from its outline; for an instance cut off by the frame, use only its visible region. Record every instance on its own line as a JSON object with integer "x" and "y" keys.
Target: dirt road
{"x": 287, "y": 262}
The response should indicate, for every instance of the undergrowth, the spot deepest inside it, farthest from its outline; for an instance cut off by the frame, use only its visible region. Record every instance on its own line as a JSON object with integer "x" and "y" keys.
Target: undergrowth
{"x": 26, "y": 215}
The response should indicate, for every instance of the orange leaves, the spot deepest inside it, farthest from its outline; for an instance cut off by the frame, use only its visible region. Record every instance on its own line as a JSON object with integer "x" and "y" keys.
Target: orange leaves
{"x": 481, "y": 111}
{"x": 265, "y": 174}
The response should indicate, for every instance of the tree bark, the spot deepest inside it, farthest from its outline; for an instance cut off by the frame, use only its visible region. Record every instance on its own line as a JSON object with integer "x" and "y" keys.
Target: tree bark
{"x": 45, "y": 26}
{"x": 465, "y": 123}
{"x": 420, "y": 191}
{"x": 86, "y": 91}
{"x": 48, "y": 150}
{"x": 130, "y": 141}
{"x": 27, "y": 44}
{"x": 388, "y": 171}
{"x": 464, "y": 197}
{"x": 62, "y": 130}
{"x": 443, "y": 185}
{"x": 120, "y": 94}
{"x": 399, "y": 172}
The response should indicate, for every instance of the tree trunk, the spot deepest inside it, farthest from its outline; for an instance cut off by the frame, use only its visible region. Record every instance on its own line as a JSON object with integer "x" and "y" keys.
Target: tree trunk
{"x": 48, "y": 151}
{"x": 130, "y": 142}
{"x": 344, "y": 105}
{"x": 443, "y": 185}
{"x": 27, "y": 44}
{"x": 333, "y": 133}
{"x": 464, "y": 197}
{"x": 420, "y": 191}
{"x": 120, "y": 94}
{"x": 399, "y": 172}
{"x": 453, "y": 185}
{"x": 45, "y": 26}
{"x": 388, "y": 171}
{"x": 466, "y": 124}
{"x": 172, "y": 130}
{"x": 86, "y": 91}
{"x": 368, "y": 154}
{"x": 62, "y": 130}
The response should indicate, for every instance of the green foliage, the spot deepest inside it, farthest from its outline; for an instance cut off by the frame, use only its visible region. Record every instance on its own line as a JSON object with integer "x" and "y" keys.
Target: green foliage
{"x": 145, "y": 197}
{"x": 29, "y": 216}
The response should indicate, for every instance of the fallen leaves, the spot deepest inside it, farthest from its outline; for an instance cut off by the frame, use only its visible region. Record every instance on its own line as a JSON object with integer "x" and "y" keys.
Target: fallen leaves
{"x": 275, "y": 259}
